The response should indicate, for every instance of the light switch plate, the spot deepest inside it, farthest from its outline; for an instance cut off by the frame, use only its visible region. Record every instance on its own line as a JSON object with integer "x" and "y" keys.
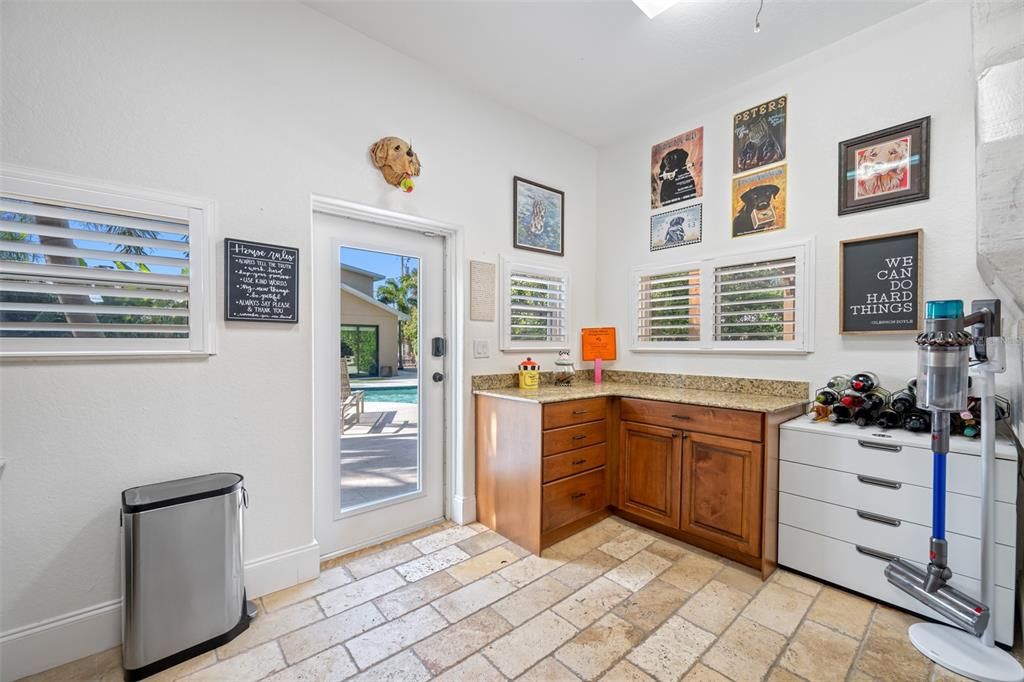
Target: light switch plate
{"x": 481, "y": 348}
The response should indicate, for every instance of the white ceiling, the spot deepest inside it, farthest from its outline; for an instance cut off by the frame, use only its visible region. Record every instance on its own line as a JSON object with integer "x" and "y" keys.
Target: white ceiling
{"x": 600, "y": 69}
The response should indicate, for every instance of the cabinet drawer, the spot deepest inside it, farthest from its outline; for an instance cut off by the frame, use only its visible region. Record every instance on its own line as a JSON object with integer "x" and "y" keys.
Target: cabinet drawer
{"x": 843, "y": 564}
{"x": 557, "y": 415}
{"x": 893, "y": 499}
{"x": 871, "y": 456}
{"x": 572, "y": 498}
{"x": 574, "y": 462}
{"x": 573, "y": 437}
{"x": 858, "y": 527}
{"x": 732, "y": 423}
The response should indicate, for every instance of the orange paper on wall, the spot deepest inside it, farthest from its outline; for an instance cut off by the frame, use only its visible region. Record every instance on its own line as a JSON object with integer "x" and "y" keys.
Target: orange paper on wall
{"x": 598, "y": 342}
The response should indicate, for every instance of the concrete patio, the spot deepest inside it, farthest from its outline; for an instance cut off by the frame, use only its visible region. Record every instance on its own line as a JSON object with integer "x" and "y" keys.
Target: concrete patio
{"x": 379, "y": 454}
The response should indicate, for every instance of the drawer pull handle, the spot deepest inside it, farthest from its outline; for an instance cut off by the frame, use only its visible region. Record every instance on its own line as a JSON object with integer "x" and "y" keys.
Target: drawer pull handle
{"x": 680, "y": 416}
{"x": 878, "y": 518}
{"x": 581, "y": 412}
{"x": 876, "y": 553}
{"x": 577, "y": 462}
{"x": 577, "y": 496}
{"x": 580, "y": 436}
{"x": 880, "y": 482}
{"x": 879, "y": 446}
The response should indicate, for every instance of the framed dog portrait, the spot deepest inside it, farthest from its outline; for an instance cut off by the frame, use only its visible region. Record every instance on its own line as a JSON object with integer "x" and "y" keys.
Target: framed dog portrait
{"x": 759, "y": 201}
{"x": 539, "y": 217}
{"x": 759, "y": 135}
{"x": 677, "y": 169}
{"x": 676, "y": 228}
{"x": 884, "y": 168}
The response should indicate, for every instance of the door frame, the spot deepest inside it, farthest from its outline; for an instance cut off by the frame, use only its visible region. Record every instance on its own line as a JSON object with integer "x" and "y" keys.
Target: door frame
{"x": 458, "y": 506}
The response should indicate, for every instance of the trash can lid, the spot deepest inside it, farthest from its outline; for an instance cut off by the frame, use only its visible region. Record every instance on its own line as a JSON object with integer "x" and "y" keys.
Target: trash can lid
{"x": 155, "y": 495}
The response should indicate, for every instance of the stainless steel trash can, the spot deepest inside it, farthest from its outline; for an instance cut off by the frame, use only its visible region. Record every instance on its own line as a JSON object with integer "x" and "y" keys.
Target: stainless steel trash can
{"x": 183, "y": 582}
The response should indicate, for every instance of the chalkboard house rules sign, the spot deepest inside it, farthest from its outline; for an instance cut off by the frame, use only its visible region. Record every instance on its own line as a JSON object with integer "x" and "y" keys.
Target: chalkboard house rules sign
{"x": 880, "y": 284}
{"x": 261, "y": 282}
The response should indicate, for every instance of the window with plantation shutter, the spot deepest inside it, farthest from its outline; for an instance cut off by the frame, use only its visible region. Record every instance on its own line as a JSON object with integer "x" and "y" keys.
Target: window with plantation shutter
{"x": 90, "y": 271}
{"x": 535, "y": 306}
{"x": 752, "y": 302}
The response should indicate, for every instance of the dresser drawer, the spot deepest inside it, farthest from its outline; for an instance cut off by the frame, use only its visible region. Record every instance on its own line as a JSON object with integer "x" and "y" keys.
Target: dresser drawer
{"x": 872, "y": 456}
{"x": 894, "y": 499}
{"x": 890, "y": 535}
{"x": 557, "y": 415}
{"x": 573, "y": 437}
{"x": 843, "y": 564}
{"x": 573, "y": 498}
{"x": 574, "y": 462}
{"x": 732, "y": 423}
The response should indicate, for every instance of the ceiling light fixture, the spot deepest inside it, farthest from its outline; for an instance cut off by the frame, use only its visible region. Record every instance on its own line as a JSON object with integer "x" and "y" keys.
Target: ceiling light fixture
{"x": 653, "y": 8}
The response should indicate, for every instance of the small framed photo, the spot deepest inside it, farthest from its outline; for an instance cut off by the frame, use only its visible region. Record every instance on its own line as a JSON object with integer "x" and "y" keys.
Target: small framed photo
{"x": 538, "y": 223}
{"x": 884, "y": 168}
{"x": 676, "y": 228}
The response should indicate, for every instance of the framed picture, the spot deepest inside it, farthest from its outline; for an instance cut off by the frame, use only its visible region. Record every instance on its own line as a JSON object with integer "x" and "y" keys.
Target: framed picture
{"x": 759, "y": 201}
{"x": 759, "y": 135}
{"x": 880, "y": 284}
{"x": 884, "y": 168}
{"x": 677, "y": 169}
{"x": 538, "y": 222}
{"x": 676, "y": 228}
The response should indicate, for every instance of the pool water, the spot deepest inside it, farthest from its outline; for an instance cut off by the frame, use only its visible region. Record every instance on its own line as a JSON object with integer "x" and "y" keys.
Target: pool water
{"x": 391, "y": 394}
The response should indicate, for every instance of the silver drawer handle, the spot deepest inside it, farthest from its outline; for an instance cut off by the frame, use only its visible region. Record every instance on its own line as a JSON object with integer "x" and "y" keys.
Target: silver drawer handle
{"x": 879, "y": 446}
{"x": 876, "y": 553}
{"x": 880, "y": 482}
{"x": 580, "y": 411}
{"x": 878, "y": 518}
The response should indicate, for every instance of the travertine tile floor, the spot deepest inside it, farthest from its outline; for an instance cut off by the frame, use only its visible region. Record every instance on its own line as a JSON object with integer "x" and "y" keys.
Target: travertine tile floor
{"x": 614, "y": 602}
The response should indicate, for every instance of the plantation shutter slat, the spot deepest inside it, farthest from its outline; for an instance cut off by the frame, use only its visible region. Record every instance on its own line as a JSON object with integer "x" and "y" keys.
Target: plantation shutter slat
{"x": 662, "y": 314}
{"x": 13, "y": 269}
{"x": 93, "y": 217}
{"x": 13, "y": 227}
{"x": 756, "y": 301}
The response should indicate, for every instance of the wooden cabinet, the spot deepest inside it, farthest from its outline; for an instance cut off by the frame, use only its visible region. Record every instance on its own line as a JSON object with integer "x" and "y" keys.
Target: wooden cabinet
{"x": 722, "y": 491}
{"x": 650, "y": 462}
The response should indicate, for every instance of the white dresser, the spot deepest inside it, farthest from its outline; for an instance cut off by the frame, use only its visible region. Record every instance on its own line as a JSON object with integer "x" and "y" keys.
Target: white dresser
{"x": 851, "y": 498}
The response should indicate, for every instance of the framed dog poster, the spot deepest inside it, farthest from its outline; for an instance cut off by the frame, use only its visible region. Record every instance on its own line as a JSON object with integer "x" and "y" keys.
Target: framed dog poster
{"x": 884, "y": 168}
{"x": 538, "y": 218}
{"x": 677, "y": 169}
{"x": 759, "y": 201}
{"x": 880, "y": 284}
{"x": 759, "y": 135}
{"x": 676, "y": 228}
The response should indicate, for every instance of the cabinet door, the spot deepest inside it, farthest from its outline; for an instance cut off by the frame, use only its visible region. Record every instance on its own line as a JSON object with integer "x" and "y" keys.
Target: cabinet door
{"x": 650, "y": 458}
{"x": 722, "y": 491}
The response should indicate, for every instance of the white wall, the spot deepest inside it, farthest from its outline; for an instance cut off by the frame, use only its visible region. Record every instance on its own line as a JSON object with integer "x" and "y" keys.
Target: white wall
{"x": 915, "y": 64}
{"x": 256, "y": 106}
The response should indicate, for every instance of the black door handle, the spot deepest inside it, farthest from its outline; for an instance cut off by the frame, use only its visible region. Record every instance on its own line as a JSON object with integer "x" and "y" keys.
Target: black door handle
{"x": 438, "y": 377}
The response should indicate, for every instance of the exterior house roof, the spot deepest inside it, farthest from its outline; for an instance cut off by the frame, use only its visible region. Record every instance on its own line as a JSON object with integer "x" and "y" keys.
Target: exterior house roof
{"x": 370, "y": 299}
{"x": 359, "y": 271}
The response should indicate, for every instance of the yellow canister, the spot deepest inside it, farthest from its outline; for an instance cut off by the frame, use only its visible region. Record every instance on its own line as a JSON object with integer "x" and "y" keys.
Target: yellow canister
{"x": 529, "y": 374}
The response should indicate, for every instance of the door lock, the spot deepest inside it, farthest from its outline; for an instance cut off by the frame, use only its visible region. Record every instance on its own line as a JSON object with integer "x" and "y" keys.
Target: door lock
{"x": 437, "y": 377}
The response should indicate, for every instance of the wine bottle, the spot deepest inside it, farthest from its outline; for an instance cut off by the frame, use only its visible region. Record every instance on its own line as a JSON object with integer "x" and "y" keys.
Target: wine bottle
{"x": 826, "y": 396}
{"x": 841, "y": 414}
{"x": 903, "y": 401}
{"x": 864, "y": 382}
{"x": 838, "y": 383}
{"x": 917, "y": 420}
{"x": 888, "y": 418}
{"x": 851, "y": 400}
{"x": 867, "y": 413}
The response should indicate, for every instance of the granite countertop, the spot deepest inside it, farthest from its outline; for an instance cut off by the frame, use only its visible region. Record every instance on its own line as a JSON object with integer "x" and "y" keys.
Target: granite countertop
{"x": 727, "y": 398}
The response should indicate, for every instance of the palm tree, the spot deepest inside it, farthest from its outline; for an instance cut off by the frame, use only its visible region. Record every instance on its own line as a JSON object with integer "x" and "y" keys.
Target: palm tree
{"x": 401, "y": 293}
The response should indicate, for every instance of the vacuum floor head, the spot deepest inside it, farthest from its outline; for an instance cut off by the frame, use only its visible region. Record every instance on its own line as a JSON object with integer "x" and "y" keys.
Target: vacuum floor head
{"x": 960, "y": 609}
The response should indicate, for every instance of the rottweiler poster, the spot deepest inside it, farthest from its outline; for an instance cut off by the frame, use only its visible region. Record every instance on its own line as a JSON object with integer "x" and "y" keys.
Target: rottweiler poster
{"x": 677, "y": 169}
{"x": 759, "y": 201}
{"x": 759, "y": 135}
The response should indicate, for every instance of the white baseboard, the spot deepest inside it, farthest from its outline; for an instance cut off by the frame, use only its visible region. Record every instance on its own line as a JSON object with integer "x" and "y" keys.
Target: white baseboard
{"x": 463, "y": 509}
{"x": 33, "y": 648}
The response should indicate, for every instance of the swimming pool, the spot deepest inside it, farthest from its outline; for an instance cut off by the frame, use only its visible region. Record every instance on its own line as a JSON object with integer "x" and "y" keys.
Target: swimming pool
{"x": 391, "y": 394}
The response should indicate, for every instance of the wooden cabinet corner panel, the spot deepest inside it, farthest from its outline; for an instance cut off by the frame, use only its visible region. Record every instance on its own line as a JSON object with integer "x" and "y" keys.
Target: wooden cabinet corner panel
{"x": 732, "y": 423}
{"x": 572, "y": 412}
{"x": 650, "y": 461}
{"x": 574, "y": 462}
{"x": 721, "y": 497}
{"x": 573, "y": 498}
{"x": 574, "y": 437}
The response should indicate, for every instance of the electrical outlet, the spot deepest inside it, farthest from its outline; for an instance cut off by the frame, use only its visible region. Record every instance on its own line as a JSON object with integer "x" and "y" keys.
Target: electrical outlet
{"x": 481, "y": 348}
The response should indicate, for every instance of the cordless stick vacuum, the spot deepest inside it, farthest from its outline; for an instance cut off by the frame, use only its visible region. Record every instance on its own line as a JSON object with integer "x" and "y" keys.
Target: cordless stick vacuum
{"x": 943, "y": 362}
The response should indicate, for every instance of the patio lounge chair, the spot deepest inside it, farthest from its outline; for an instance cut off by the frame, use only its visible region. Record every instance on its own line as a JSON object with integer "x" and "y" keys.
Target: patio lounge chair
{"x": 350, "y": 400}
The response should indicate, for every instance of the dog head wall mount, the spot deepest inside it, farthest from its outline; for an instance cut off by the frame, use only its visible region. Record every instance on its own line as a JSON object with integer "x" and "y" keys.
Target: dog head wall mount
{"x": 397, "y": 162}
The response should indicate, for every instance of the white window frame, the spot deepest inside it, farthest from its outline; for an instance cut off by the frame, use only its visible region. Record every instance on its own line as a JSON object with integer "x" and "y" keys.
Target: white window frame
{"x": 507, "y": 344}
{"x": 802, "y": 252}
{"x": 200, "y": 215}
